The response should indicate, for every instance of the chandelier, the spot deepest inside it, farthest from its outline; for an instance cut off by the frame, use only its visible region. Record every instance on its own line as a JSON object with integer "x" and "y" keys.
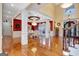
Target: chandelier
{"x": 66, "y": 5}
{"x": 34, "y": 20}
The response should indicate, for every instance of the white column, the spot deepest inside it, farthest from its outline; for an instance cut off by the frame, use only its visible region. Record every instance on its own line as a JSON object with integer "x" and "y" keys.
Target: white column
{"x": 48, "y": 32}
{"x": 0, "y": 28}
{"x": 47, "y": 29}
{"x": 24, "y": 33}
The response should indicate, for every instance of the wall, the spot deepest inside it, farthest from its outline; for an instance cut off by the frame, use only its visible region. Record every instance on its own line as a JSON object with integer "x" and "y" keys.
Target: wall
{"x": 6, "y": 29}
{"x": 16, "y": 34}
{"x": 77, "y": 8}
{"x": 59, "y": 17}
{"x": 48, "y": 9}
{"x": 0, "y": 28}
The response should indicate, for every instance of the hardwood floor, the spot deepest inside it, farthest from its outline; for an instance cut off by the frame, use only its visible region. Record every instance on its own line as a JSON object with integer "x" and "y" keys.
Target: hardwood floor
{"x": 57, "y": 46}
{"x": 13, "y": 47}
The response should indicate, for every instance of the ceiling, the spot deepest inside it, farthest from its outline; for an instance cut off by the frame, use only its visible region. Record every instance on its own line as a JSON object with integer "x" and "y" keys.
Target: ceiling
{"x": 11, "y": 9}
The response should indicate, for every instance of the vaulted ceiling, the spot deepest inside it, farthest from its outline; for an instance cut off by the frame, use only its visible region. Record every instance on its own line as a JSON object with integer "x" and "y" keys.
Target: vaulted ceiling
{"x": 11, "y": 9}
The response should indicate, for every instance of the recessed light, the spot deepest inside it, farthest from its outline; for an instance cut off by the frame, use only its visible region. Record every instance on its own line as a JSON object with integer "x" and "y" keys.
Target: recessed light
{"x": 7, "y": 16}
{"x": 9, "y": 12}
{"x": 12, "y": 5}
{"x": 34, "y": 23}
{"x": 66, "y": 5}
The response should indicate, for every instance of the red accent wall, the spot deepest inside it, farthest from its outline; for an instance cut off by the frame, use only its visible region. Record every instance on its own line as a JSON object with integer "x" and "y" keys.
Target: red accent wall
{"x": 17, "y": 25}
{"x": 51, "y": 25}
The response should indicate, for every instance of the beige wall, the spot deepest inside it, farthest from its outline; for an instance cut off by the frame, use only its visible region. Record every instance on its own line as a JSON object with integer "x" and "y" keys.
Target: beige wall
{"x": 59, "y": 16}
{"x": 48, "y": 9}
{"x": 77, "y": 8}
{"x": 0, "y": 28}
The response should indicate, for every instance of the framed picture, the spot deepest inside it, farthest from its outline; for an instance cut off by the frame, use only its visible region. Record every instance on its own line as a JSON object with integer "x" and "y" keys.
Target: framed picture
{"x": 16, "y": 25}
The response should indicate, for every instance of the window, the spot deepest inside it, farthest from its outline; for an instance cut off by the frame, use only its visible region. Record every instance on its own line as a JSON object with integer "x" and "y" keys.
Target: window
{"x": 70, "y": 12}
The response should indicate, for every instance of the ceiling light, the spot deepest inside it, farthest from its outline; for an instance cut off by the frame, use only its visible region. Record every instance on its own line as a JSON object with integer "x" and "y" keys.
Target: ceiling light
{"x": 34, "y": 23}
{"x": 34, "y": 19}
{"x": 66, "y": 5}
{"x": 9, "y": 12}
{"x": 7, "y": 16}
{"x": 12, "y": 5}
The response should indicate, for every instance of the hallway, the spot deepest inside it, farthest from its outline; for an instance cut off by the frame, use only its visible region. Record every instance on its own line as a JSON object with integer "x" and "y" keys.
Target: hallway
{"x": 39, "y": 29}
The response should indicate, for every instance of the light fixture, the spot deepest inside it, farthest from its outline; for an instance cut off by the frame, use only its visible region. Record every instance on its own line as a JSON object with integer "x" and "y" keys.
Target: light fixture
{"x": 12, "y": 5}
{"x": 34, "y": 23}
{"x": 7, "y": 16}
{"x": 66, "y": 5}
{"x": 34, "y": 19}
{"x": 9, "y": 12}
